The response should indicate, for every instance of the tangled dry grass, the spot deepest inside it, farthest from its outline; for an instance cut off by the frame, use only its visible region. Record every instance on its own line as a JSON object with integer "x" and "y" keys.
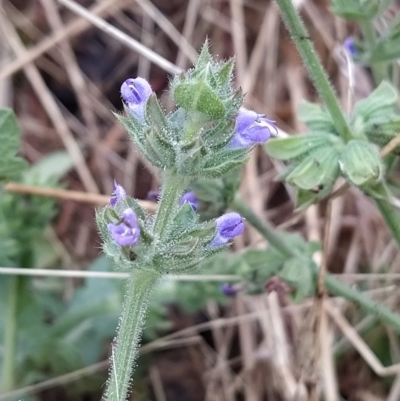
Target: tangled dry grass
{"x": 61, "y": 64}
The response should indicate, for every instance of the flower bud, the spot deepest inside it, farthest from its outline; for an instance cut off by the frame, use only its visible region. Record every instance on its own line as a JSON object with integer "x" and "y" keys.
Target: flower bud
{"x": 251, "y": 128}
{"x": 350, "y": 46}
{"x": 230, "y": 290}
{"x": 127, "y": 231}
{"x": 135, "y": 93}
{"x": 191, "y": 198}
{"x": 153, "y": 195}
{"x": 118, "y": 193}
{"x": 229, "y": 225}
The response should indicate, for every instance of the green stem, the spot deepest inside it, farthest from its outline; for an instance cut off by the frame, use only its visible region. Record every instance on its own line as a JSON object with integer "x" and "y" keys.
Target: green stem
{"x": 313, "y": 64}
{"x": 391, "y": 216}
{"x": 332, "y": 284}
{"x": 172, "y": 190}
{"x": 381, "y": 195}
{"x": 10, "y": 335}
{"x": 379, "y": 70}
{"x": 125, "y": 349}
{"x": 269, "y": 232}
{"x": 383, "y": 313}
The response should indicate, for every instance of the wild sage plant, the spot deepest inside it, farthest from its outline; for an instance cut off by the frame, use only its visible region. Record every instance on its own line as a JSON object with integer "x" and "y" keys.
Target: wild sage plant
{"x": 206, "y": 136}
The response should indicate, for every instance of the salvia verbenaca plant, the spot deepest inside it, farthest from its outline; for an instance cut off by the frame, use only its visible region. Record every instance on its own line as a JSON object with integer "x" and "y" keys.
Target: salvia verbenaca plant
{"x": 206, "y": 136}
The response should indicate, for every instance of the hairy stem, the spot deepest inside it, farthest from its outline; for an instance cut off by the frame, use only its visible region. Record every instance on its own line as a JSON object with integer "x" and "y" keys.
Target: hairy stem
{"x": 383, "y": 313}
{"x": 391, "y": 216}
{"x": 10, "y": 335}
{"x": 313, "y": 64}
{"x": 332, "y": 284}
{"x": 172, "y": 190}
{"x": 125, "y": 348}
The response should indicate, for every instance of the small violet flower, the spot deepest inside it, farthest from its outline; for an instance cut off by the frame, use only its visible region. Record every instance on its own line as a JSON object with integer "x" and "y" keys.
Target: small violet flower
{"x": 135, "y": 93}
{"x": 190, "y": 197}
{"x": 251, "y": 128}
{"x": 350, "y": 46}
{"x": 127, "y": 231}
{"x": 229, "y": 290}
{"x": 118, "y": 193}
{"x": 153, "y": 195}
{"x": 229, "y": 226}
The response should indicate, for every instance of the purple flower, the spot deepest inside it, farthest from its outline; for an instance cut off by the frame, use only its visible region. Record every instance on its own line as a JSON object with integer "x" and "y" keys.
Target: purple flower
{"x": 251, "y": 128}
{"x": 118, "y": 193}
{"x": 229, "y": 226}
{"x": 190, "y": 197}
{"x": 350, "y": 46}
{"x": 153, "y": 195}
{"x": 127, "y": 231}
{"x": 135, "y": 93}
{"x": 229, "y": 290}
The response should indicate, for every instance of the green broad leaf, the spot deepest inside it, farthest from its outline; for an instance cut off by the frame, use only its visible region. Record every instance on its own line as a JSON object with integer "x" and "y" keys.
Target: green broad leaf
{"x": 356, "y": 10}
{"x": 319, "y": 167}
{"x": 256, "y": 266}
{"x": 11, "y": 166}
{"x": 315, "y": 117}
{"x": 361, "y": 163}
{"x": 380, "y": 103}
{"x": 382, "y": 130}
{"x": 199, "y": 97}
{"x": 296, "y": 145}
{"x": 297, "y": 272}
{"x": 305, "y": 197}
{"x": 49, "y": 169}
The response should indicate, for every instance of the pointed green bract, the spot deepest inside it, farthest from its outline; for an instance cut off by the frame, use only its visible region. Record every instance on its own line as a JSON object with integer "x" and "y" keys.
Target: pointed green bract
{"x": 199, "y": 97}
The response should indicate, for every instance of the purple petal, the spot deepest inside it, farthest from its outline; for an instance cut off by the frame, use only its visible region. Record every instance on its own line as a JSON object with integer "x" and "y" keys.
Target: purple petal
{"x": 229, "y": 290}
{"x": 118, "y": 193}
{"x": 135, "y": 93}
{"x": 350, "y": 46}
{"x": 190, "y": 197}
{"x": 251, "y": 128}
{"x": 129, "y": 218}
{"x": 244, "y": 119}
{"x": 229, "y": 226}
{"x": 127, "y": 232}
{"x": 153, "y": 195}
